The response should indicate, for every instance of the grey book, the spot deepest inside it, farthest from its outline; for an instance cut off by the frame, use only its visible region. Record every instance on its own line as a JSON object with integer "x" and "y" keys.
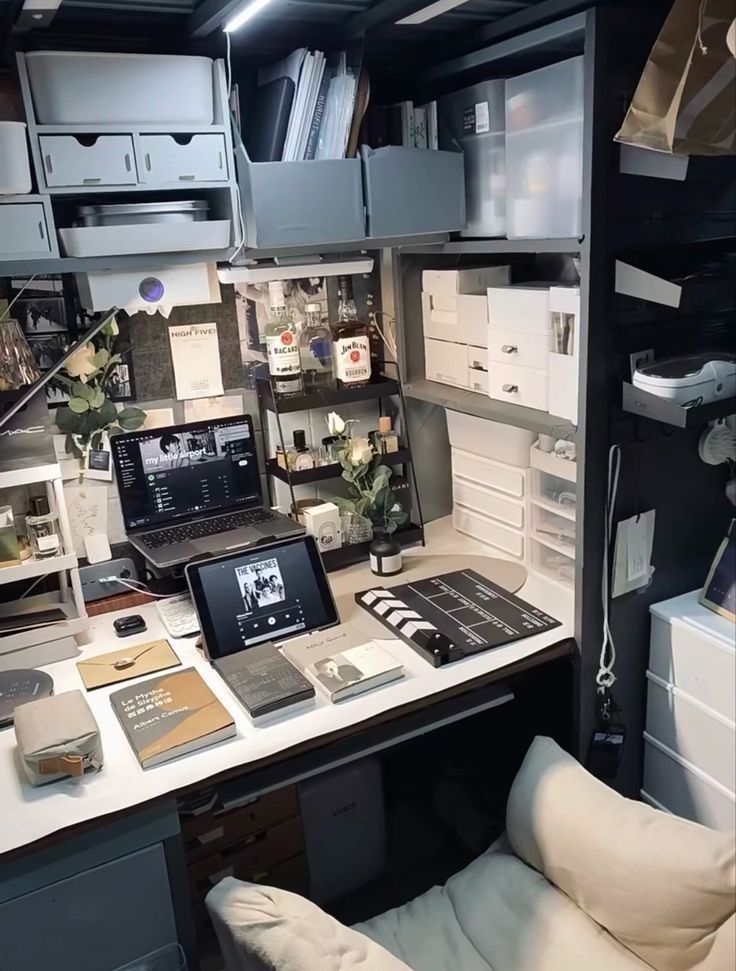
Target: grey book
{"x": 265, "y": 682}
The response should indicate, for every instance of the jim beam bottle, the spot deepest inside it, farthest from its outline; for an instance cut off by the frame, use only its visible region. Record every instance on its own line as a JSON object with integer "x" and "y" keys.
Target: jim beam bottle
{"x": 282, "y": 343}
{"x": 351, "y": 340}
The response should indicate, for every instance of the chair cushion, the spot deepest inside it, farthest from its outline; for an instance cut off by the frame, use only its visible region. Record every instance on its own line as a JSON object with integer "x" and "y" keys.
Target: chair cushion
{"x": 265, "y": 929}
{"x": 498, "y": 915}
{"x": 663, "y": 886}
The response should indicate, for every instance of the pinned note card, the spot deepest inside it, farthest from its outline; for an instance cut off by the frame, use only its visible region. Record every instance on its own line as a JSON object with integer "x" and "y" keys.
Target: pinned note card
{"x": 204, "y": 409}
{"x": 87, "y": 509}
{"x": 195, "y": 354}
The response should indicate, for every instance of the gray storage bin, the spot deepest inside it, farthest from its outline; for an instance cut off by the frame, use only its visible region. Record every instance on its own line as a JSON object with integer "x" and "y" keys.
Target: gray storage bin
{"x": 300, "y": 203}
{"x": 411, "y": 191}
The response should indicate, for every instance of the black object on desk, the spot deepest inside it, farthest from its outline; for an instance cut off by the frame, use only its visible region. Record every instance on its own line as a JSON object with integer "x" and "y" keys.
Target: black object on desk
{"x": 454, "y": 615}
{"x": 20, "y": 686}
{"x": 132, "y": 624}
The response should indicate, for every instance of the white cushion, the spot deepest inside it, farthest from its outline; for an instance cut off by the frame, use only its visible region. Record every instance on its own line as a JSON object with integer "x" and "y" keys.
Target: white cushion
{"x": 262, "y": 928}
{"x": 661, "y": 885}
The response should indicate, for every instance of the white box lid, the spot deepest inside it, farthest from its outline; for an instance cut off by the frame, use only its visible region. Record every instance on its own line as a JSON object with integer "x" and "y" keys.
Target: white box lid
{"x": 686, "y": 610}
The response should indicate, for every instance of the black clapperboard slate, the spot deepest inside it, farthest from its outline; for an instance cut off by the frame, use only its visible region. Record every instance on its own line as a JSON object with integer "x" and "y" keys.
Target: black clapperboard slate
{"x": 452, "y": 616}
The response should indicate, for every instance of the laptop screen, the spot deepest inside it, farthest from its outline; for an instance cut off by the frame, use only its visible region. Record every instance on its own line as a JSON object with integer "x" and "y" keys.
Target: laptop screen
{"x": 267, "y": 593}
{"x": 166, "y": 474}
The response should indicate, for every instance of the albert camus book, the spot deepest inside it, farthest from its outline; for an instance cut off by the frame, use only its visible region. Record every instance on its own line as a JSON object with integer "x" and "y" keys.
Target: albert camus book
{"x": 171, "y": 715}
{"x": 342, "y": 662}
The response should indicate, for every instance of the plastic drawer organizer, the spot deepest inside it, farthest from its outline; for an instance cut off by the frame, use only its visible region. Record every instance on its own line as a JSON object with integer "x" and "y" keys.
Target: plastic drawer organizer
{"x": 552, "y": 507}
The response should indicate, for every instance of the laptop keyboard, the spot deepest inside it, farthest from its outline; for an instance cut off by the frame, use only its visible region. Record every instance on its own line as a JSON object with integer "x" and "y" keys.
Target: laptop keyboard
{"x": 206, "y": 527}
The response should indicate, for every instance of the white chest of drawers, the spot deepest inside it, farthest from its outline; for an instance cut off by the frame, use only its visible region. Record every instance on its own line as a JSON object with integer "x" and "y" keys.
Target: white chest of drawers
{"x": 690, "y": 736}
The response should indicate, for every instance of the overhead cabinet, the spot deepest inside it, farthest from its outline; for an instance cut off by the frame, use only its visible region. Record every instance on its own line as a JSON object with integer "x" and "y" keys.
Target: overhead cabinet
{"x": 23, "y": 230}
{"x": 176, "y": 159}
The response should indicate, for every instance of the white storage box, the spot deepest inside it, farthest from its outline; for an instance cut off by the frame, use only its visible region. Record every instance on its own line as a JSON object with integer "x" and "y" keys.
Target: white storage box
{"x": 344, "y": 828}
{"x": 462, "y": 319}
{"x": 697, "y": 733}
{"x": 519, "y": 386}
{"x": 514, "y": 347}
{"x": 552, "y": 464}
{"x": 169, "y": 159}
{"x": 15, "y": 169}
{"x": 553, "y": 563}
{"x": 449, "y": 283}
{"x": 491, "y": 439}
{"x": 495, "y": 475}
{"x": 23, "y": 230}
{"x": 510, "y": 542}
{"x": 87, "y": 88}
{"x": 472, "y": 312}
{"x": 550, "y": 526}
{"x": 695, "y": 650}
{"x": 478, "y": 358}
{"x": 520, "y": 309}
{"x": 446, "y": 362}
{"x": 478, "y": 380}
{"x": 106, "y": 160}
{"x": 482, "y": 499}
{"x": 544, "y": 151}
{"x": 145, "y": 238}
{"x": 684, "y": 789}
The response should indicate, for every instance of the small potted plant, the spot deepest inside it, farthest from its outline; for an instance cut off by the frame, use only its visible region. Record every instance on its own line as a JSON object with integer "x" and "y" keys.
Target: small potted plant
{"x": 90, "y": 414}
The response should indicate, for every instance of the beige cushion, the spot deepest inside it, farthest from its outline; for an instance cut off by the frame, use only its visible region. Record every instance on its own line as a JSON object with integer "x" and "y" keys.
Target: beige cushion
{"x": 264, "y": 929}
{"x": 661, "y": 885}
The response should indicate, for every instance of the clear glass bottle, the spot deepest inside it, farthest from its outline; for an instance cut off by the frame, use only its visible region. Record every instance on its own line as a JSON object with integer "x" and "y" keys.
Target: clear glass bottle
{"x": 386, "y": 439}
{"x": 352, "y": 346}
{"x": 42, "y": 528}
{"x": 315, "y": 351}
{"x": 303, "y": 459}
{"x": 282, "y": 344}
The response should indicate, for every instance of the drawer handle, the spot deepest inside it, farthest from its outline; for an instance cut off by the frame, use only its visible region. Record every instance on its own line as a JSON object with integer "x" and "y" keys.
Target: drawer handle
{"x": 509, "y": 349}
{"x": 148, "y": 161}
{"x": 509, "y": 388}
{"x": 187, "y": 178}
{"x": 128, "y": 166}
{"x": 91, "y": 181}
{"x": 49, "y": 165}
{"x": 41, "y": 230}
{"x": 219, "y": 159}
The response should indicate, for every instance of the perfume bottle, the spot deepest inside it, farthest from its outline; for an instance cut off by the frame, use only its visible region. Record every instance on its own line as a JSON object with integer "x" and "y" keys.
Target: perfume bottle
{"x": 282, "y": 343}
{"x": 42, "y": 529}
{"x": 351, "y": 340}
{"x": 303, "y": 459}
{"x": 386, "y": 440}
{"x": 315, "y": 351}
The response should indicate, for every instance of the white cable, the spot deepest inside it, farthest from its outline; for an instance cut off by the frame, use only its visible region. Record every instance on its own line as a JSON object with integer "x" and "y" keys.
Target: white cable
{"x": 605, "y": 679}
{"x": 138, "y": 587}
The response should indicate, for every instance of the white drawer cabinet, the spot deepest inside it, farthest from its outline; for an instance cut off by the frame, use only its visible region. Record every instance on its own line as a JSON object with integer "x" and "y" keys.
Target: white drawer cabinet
{"x": 518, "y": 348}
{"x": 488, "y": 502}
{"x": 486, "y": 530}
{"x": 518, "y": 385}
{"x": 104, "y": 160}
{"x": 165, "y": 159}
{"x": 496, "y": 475}
{"x": 690, "y": 761}
{"x": 23, "y": 230}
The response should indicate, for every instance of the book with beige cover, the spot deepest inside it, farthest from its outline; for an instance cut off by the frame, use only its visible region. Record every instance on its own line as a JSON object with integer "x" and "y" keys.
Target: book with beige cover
{"x": 171, "y": 715}
{"x": 130, "y": 662}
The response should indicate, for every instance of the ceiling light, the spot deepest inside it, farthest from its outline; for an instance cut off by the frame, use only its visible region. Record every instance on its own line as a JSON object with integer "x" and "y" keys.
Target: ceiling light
{"x": 430, "y": 12}
{"x": 247, "y": 13}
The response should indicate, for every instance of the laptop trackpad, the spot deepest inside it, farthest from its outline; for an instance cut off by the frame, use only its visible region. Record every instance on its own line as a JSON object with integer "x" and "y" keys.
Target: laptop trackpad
{"x": 221, "y": 542}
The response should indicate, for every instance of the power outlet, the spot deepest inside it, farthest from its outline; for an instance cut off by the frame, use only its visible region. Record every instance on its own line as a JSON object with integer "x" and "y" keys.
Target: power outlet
{"x": 90, "y": 576}
{"x": 639, "y": 359}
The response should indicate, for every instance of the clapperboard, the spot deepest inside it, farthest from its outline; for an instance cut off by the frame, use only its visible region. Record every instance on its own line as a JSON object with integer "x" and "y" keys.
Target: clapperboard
{"x": 451, "y": 616}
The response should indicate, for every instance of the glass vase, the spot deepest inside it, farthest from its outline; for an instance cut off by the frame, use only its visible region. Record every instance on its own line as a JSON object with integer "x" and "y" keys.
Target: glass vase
{"x": 18, "y": 366}
{"x": 355, "y": 529}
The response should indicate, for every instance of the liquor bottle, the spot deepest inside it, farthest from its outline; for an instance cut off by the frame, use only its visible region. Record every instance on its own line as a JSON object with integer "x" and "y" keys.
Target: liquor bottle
{"x": 351, "y": 340}
{"x": 315, "y": 351}
{"x": 282, "y": 344}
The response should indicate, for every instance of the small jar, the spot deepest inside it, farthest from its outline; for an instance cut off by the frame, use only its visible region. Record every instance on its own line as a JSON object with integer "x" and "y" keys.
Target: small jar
{"x": 42, "y": 528}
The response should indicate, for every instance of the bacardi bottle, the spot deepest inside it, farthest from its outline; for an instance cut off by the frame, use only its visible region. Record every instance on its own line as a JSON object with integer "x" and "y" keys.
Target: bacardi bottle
{"x": 282, "y": 344}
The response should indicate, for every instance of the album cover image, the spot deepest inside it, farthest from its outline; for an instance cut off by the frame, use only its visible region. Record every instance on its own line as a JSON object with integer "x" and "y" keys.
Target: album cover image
{"x": 178, "y": 450}
{"x": 261, "y": 584}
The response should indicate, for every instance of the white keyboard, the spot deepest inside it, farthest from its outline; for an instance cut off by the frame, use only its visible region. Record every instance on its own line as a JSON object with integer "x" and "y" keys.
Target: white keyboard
{"x": 178, "y": 615}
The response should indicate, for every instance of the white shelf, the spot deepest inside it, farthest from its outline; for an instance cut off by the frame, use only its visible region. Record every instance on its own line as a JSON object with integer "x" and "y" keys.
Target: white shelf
{"x": 37, "y": 473}
{"x": 37, "y": 568}
{"x": 131, "y": 129}
{"x": 565, "y": 512}
{"x": 71, "y": 627}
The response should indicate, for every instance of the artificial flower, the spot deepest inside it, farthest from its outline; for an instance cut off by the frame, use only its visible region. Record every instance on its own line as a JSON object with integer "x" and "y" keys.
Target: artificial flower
{"x": 335, "y": 424}
{"x": 359, "y": 452}
{"x": 81, "y": 363}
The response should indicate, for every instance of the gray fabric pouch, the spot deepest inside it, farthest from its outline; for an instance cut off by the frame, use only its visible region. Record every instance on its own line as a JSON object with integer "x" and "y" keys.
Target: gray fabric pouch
{"x": 57, "y": 737}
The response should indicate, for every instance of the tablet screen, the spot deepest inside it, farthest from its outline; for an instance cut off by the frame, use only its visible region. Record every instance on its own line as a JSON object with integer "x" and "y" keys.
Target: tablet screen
{"x": 267, "y": 593}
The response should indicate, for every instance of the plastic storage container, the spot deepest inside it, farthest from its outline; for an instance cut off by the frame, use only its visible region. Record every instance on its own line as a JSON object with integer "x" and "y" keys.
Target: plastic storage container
{"x": 88, "y": 88}
{"x": 544, "y": 151}
{"x": 15, "y": 170}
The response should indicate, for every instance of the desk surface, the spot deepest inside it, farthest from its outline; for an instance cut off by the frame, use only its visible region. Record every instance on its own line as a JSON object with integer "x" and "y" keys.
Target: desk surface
{"x": 29, "y": 814}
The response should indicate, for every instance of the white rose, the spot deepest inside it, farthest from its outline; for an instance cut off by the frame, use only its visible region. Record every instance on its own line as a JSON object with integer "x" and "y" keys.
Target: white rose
{"x": 359, "y": 452}
{"x": 80, "y": 364}
{"x": 335, "y": 424}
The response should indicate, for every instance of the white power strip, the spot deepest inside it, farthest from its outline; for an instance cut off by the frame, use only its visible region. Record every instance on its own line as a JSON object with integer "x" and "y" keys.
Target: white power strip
{"x": 178, "y": 615}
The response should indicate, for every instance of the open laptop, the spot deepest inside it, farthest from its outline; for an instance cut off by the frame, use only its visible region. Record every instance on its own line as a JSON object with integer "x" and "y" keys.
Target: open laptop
{"x": 276, "y": 591}
{"x": 191, "y": 489}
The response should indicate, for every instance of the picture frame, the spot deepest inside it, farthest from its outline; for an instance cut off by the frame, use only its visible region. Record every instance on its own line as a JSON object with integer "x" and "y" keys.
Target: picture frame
{"x": 719, "y": 590}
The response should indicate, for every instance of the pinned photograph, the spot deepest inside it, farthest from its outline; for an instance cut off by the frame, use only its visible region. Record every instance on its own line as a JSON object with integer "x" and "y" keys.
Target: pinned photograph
{"x": 47, "y": 349}
{"x": 120, "y": 385}
{"x": 41, "y": 315}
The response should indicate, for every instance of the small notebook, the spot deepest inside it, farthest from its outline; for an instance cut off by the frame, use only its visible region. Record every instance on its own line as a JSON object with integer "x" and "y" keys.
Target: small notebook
{"x": 127, "y": 663}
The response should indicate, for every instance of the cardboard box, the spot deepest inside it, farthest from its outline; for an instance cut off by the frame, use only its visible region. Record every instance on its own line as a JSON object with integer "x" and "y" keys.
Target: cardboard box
{"x": 323, "y": 522}
{"x": 446, "y": 362}
{"x": 468, "y": 280}
{"x": 523, "y": 308}
{"x": 467, "y": 323}
{"x": 472, "y": 313}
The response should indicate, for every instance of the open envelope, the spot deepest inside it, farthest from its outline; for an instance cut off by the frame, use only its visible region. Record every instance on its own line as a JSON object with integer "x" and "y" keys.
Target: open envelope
{"x": 129, "y": 662}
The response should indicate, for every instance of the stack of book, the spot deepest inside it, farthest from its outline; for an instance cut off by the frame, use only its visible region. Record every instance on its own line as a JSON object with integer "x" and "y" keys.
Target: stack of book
{"x": 401, "y": 124}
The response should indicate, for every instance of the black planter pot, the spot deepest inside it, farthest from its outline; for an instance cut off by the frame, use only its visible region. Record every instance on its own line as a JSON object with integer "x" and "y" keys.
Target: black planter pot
{"x": 386, "y": 556}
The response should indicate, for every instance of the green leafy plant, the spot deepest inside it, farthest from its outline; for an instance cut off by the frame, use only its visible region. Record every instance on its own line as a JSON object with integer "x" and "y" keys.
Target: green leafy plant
{"x": 368, "y": 479}
{"x": 90, "y": 413}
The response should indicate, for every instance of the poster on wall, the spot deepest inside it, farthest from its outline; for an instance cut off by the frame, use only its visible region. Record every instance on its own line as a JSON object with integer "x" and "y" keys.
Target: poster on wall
{"x": 195, "y": 355}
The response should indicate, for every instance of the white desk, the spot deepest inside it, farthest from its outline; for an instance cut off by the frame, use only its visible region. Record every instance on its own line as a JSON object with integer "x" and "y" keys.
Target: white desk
{"x": 29, "y": 814}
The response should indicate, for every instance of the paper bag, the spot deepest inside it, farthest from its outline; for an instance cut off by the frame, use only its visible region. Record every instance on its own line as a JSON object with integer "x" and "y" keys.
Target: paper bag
{"x": 684, "y": 103}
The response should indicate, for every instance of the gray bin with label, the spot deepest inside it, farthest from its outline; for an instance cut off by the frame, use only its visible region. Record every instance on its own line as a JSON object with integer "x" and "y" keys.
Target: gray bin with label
{"x": 300, "y": 203}
{"x": 413, "y": 191}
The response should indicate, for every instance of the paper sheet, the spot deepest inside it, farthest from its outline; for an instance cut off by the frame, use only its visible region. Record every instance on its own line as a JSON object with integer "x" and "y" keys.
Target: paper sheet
{"x": 87, "y": 509}
{"x": 158, "y": 418}
{"x": 203, "y": 409}
{"x": 195, "y": 354}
